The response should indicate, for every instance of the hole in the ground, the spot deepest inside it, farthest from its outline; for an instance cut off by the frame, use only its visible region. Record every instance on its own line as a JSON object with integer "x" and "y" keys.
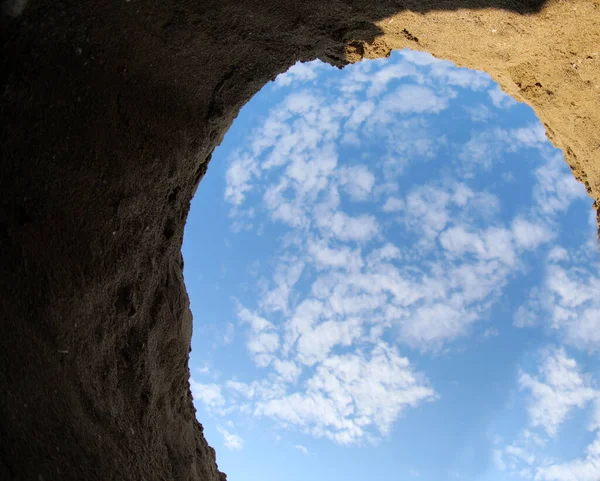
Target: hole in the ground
{"x": 393, "y": 273}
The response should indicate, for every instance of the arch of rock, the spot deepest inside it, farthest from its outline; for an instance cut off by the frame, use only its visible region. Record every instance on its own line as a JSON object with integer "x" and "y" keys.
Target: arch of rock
{"x": 110, "y": 112}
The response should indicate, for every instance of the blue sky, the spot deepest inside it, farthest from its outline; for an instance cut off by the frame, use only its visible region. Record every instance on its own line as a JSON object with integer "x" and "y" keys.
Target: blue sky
{"x": 394, "y": 275}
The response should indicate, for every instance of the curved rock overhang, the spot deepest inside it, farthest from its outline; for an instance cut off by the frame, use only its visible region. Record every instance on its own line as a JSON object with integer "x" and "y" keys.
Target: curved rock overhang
{"x": 110, "y": 112}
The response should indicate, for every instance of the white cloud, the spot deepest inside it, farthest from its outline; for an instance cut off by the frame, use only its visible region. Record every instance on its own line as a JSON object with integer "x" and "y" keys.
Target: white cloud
{"x": 351, "y": 394}
{"x": 427, "y": 211}
{"x": 306, "y": 315}
{"x": 530, "y": 235}
{"x": 408, "y": 141}
{"x": 559, "y": 388}
{"x": 343, "y": 227}
{"x": 419, "y": 58}
{"x": 567, "y": 301}
{"x": 423, "y": 276}
{"x": 595, "y": 423}
{"x": 482, "y": 150}
{"x": 263, "y": 341}
{"x": 299, "y": 73}
{"x": 434, "y": 323}
{"x": 447, "y": 74}
{"x": 265, "y": 389}
{"x": 230, "y": 440}
{"x": 287, "y": 370}
{"x": 521, "y": 454}
{"x": 229, "y": 333}
{"x": 387, "y": 252}
{"x": 383, "y": 76}
{"x": 287, "y": 274}
{"x": 524, "y": 317}
{"x": 296, "y": 142}
{"x": 411, "y": 99}
{"x": 487, "y": 147}
{"x": 256, "y": 322}
{"x": 358, "y": 293}
{"x": 262, "y": 346}
{"x": 315, "y": 345}
{"x": 573, "y": 295}
{"x": 583, "y": 469}
{"x": 208, "y": 394}
{"x": 556, "y": 187}
{"x": 500, "y": 99}
{"x": 491, "y": 243}
{"x": 357, "y": 181}
{"x": 393, "y": 204}
{"x": 342, "y": 257}
{"x": 497, "y": 458}
{"x": 479, "y": 113}
{"x": 428, "y": 208}
{"x": 361, "y": 114}
{"x": 533, "y": 135}
{"x": 302, "y": 449}
{"x": 239, "y": 174}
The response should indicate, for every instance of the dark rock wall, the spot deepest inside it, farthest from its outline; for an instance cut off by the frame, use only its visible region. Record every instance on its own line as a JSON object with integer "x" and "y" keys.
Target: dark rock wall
{"x": 109, "y": 113}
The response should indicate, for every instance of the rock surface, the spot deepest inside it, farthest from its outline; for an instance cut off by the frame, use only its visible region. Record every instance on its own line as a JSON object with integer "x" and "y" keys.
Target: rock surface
{"x": 110, "y": 112}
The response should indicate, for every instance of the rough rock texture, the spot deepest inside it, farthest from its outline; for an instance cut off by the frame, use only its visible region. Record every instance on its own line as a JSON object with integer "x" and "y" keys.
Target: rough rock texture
{"x": 109, "y": 113}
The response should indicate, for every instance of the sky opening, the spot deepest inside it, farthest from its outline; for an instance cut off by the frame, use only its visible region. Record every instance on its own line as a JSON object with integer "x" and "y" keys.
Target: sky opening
{"x": 393, "y": 274}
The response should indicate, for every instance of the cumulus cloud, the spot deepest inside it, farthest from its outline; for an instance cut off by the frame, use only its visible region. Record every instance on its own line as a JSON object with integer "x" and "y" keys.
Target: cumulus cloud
{"x": 567, "y": 301}
{"x": 287, "y": 274}
{"x": 491, "y": 243}
{"x": 393, "y": 204}
{"x": 479, "y": 113}
{"x": 229, "y": 333}
{"x": 208, "y": 394}
{"x": 350, "y": 290}
{"x": 357, "y": 181}
{"x": 239, "y": 175}
{"x": 586, "y": 468}
{"x": 486, "y": 147}
{"x": 416, "y": 57}
{"x": 447, "y": 73}
{"x": 559, "y": 388}
{"x": 410, "y": 99}
{"x": 315, "y": 345}
{"x": 302, "y": 449}
{"x": 349, "y": 395}
{"x": 556, "y": 187}
{"x": 230, "y": 440}
{"x": 501, "y": 99}
{"x": 380, "y": 79}
{"x": 288, "y": 371}
{"x": 263, "y": 341}
{"x": 299, "y": 73}
{"x": 529, "y": 235}
{"x": 344, "y": 227}
{"x": 342, "y": 257}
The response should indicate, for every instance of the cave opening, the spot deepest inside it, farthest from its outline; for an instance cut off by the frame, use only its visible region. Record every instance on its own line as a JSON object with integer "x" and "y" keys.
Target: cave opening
{"x": 110, "y": 116}
{"x": 392, "y": 270}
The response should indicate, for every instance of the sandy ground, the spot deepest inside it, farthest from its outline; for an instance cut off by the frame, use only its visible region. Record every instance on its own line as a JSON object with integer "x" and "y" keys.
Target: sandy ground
{"x": 110, "y": 112}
